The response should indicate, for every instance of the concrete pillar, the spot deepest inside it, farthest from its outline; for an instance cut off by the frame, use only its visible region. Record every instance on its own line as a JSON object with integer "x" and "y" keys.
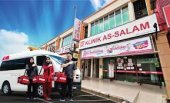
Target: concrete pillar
{"x": 131, "y": 11}
{"x": 91, "y": 69}
{"x": 79, "y": 64}
{"x": 89, "y": 30}
{"x": 148, "y": 6}
{"x": 100, "y": 68}
{"x": 61, "y": 42}
{"x": 164, "y": 55}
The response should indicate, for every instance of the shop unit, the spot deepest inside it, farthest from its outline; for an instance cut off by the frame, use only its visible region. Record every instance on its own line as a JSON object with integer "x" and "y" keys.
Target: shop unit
{"x": 128, "y": 40}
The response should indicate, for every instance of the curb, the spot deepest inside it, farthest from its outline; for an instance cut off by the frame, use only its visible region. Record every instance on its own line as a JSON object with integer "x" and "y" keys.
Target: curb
{"x": 103, "y": 95}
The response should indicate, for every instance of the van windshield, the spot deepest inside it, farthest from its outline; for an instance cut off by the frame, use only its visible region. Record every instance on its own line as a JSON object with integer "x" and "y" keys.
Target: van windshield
{"x": 58, "y": 59}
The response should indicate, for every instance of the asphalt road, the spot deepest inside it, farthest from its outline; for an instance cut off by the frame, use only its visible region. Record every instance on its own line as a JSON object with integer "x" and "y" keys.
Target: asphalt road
{"x": 79, "y": 97}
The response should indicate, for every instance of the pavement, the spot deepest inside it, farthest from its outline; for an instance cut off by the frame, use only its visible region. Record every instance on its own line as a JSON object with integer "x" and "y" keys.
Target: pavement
{"x": 125, "y": 91}
{"x": 79, "y": 97}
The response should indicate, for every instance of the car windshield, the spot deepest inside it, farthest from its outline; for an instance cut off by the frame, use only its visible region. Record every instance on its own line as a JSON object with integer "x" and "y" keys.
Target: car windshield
{"x": 58, "y": 59}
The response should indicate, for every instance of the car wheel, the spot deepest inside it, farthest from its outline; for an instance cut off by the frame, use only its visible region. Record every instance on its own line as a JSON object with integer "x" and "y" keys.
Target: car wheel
{"x": 40, "y": 90}
{"x": 6, "y": 89}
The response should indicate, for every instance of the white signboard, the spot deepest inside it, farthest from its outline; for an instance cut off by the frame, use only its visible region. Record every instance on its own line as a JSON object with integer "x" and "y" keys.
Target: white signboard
{"x": 137, "y": 46}
{"x": 65, "y": 49}
{"x": 77, "y": 29}
{"x": 136, "y": 28}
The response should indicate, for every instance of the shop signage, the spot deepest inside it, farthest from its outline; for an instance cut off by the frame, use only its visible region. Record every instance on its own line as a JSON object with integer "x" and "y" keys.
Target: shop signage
{"x": 75, "y": 55}
{"x": 137, "y": 46}
{"x": 136, "y": 28}
{"x": 166, "y": 11}
{"x": 52, "y": 47}
{"x": 65, "y": 49}
{"x": 77, "y": 29}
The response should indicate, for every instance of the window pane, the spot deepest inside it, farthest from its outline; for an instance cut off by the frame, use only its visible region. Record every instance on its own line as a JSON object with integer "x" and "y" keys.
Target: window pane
{"x": 96, "y": 27}
{"x": 101, "y": 25}
{"x": 125, "y": 15}
{"x": 118, "y": 18}
{"x": 67, "y": 40}
{"x": 14, "y": 64}
{"x": 106, "y": 23}
{"x": 92, "y": 29}
{"x": 111, "y": 21}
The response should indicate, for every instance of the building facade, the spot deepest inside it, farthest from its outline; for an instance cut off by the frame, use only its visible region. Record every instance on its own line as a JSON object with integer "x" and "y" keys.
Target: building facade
{"x": 126, "y": 40}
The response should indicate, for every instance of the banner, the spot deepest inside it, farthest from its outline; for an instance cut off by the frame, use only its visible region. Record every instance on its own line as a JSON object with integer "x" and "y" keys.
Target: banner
{"x": 77, "y": 29}
{"x": 136, "y": 46}
{"x": 166, "y": 11}
{"x": 135, "y": 28}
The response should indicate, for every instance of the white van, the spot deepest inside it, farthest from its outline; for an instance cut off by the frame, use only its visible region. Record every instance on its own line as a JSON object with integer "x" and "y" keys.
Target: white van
{"x": 13, "y": 66}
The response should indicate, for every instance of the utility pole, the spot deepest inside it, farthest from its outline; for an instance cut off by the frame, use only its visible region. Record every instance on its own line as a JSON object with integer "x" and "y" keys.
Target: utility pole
{"x": 74, "y": 46}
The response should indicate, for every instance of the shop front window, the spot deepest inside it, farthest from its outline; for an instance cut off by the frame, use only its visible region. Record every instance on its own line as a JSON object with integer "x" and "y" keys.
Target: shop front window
{"x": 147, "y": 66}
{"x": 143, "y": 69}
{"x": 126, "y": 70}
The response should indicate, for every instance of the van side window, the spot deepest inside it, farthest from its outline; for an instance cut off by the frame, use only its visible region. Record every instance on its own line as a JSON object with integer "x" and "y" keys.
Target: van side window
{"x": 40, "y": 60}
{"x": 13, "y": 64}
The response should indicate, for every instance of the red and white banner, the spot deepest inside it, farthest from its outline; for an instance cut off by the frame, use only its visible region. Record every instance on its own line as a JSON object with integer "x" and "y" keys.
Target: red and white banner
{"x": 133, "y": 29}
{"x": 77, "y": 29}
{"x": 166, "y": 11}
{"x": 137, "y": 46}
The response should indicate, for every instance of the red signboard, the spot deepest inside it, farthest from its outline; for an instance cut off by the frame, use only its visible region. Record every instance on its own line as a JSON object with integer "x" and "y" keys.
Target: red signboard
{"x": 166, "y": 10}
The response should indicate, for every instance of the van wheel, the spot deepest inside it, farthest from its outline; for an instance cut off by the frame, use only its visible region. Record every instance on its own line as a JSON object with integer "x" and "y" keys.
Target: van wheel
{"x": 40, "y": 90}
{"x": 6, "y": 89}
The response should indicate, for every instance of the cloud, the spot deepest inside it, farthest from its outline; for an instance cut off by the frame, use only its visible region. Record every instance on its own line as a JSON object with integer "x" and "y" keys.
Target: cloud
{"x": 12, "y": 42}
{"x": 97, "y": 4}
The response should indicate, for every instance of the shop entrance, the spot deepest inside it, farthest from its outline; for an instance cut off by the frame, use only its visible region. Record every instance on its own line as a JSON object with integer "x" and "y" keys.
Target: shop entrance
{"x": 86, "y": 68}
{"x": 96, "y": 68}
{"x": 106, "y": 63}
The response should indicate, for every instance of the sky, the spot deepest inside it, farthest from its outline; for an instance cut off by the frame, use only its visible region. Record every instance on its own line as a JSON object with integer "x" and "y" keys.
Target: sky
{"x": 26, "y": 23}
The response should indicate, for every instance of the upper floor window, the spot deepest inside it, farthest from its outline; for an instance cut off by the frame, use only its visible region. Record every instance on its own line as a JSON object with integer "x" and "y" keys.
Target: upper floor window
{"x": 118, "y": 18}
{"x": 86, "y": 32}
{"x": 67, "y": 40}
{"x": 140, "y": 9}
{"x": 110, "y": 21}
{"x": 125, "y": 15}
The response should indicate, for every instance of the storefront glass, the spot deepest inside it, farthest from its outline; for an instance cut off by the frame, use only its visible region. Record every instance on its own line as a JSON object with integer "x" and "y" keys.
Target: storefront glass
{"x": 106, "y": 62}
{"x": 141, "y": 69}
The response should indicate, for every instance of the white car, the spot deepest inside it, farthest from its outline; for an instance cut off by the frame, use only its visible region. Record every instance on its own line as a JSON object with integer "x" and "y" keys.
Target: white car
{"x": 13, "y": 66}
